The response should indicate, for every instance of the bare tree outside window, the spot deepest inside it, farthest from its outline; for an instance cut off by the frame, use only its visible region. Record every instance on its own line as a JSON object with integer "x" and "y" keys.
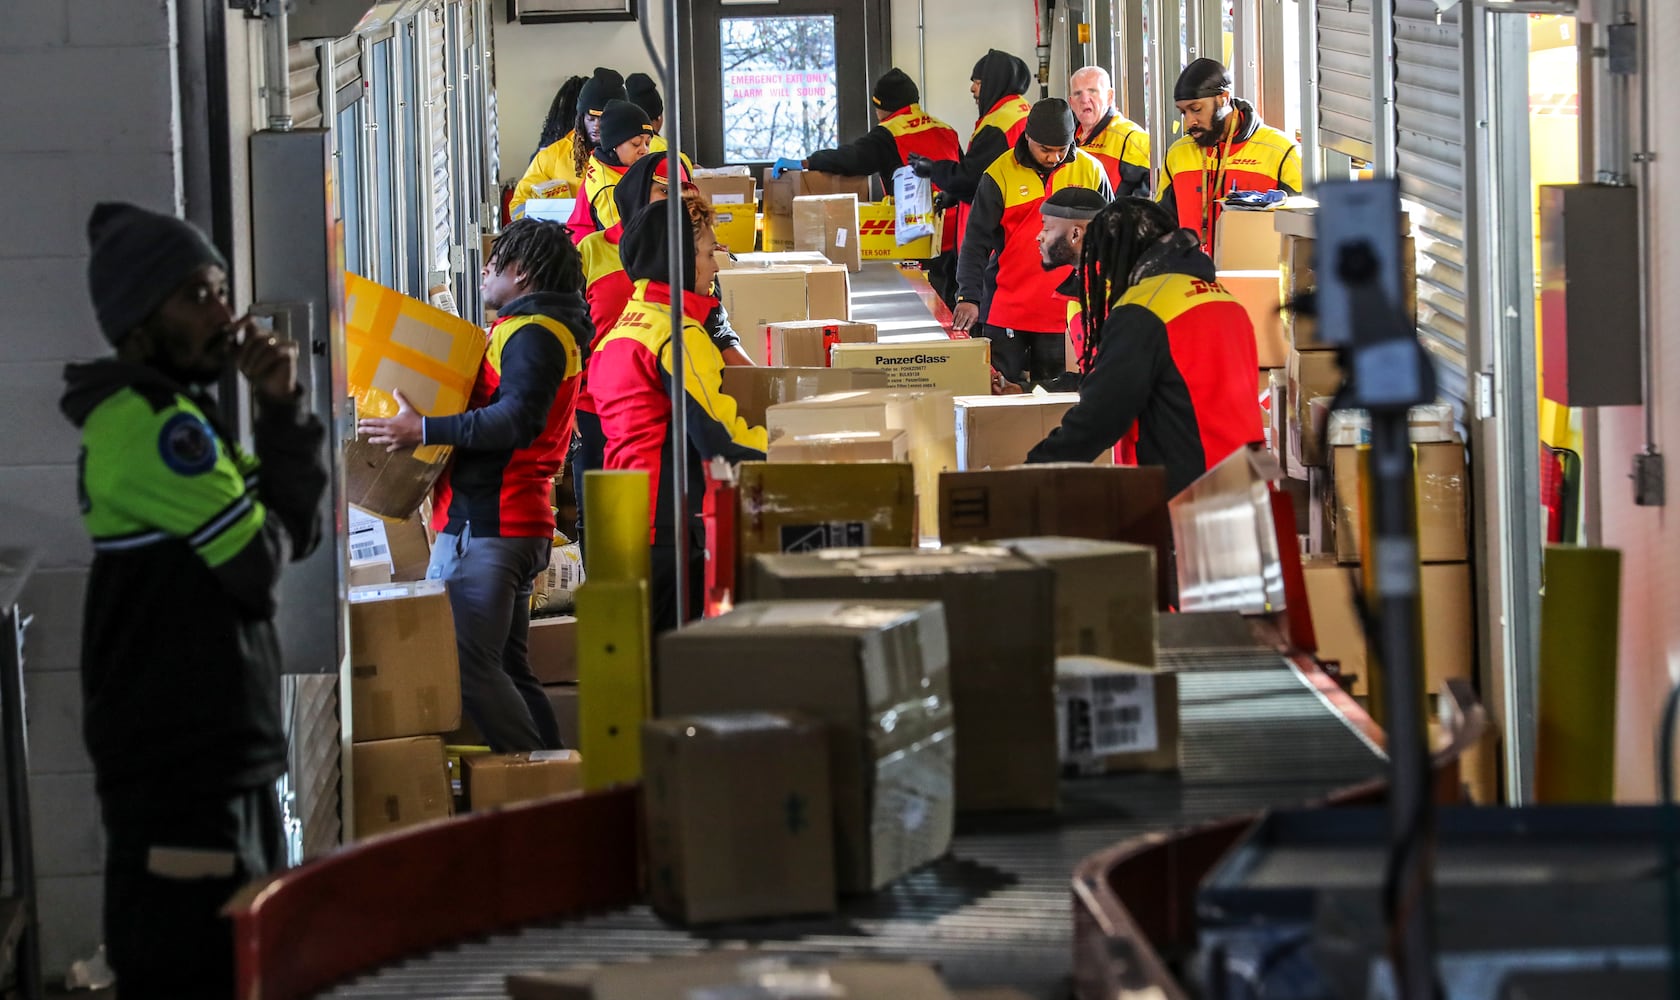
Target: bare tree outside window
{"x": 781, "y": 95}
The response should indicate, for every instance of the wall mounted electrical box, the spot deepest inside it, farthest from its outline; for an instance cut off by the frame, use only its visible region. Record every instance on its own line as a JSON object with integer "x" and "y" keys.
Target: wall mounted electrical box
{"x": 1589, "y": 295}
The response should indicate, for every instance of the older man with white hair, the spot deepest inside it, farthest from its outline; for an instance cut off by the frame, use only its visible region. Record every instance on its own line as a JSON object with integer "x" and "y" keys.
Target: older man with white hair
{"x": 1119, "y": 144}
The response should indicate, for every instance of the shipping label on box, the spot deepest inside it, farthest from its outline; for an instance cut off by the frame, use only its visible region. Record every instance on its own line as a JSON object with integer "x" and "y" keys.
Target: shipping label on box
{"x": 405, "y": 679}
{"x": 805, "y": 343}
{"x": 828, "y": 224}
{"x": 1114, "y": 716}
{"x": 780, "y": 192}
{"x": 497, "y": 779}
{"x": 734, "y": 201}
{"x": 398, "y": 783}
{"x": 370, "y": 550}
{"x": 962, "y": 366}
{"x": 756, "y": 388}
{"x": 878, "y": 239}
{"x": 394, "y": 342}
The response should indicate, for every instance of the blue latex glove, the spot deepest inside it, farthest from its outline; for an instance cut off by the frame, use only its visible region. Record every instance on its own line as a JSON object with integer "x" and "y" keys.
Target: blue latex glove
{"x": 783, "y": 165}
{"x": 1256, "y": 199}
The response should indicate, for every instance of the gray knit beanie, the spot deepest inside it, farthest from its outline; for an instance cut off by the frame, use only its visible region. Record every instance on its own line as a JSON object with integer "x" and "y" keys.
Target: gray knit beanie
{"x": 136, "y": 259}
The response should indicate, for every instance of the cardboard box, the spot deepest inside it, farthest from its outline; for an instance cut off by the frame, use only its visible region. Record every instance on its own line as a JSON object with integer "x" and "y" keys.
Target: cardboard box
{"x": 780, "y": 192}
{"x": 1074, "y": 501}
{"x": 1105, "y": 596}
{"x": 398, "y": 783}
{"x": 731, "y": 974}
{"x": 1297, "y": 277}
{"x": 805, "y": 343}
{"x": 1258, "y": 293}
{"x": 369, "y": 550}
{"x": 563, "y": 699}
{"x": 878, "y": 235}
{"x": 875, "y": 673}
{"x": 552, "y": 646}
{"x": 926, "y": 415}
{"x": 755, "y": 389}
{"x": 1114, "y": 716}
{"x": 1000, "y": 610}
{"x": 828, "y": 224}
{"x": 996, "y": 432}
{"x": 1298, "y": 213}
{"x": 1449, "y": 624}
{"x": 758, "y": 297}
{"x": 806, "y": 507}
{"x": 722, "y": 848}
{"x": 1312, "y": 375}
{"x": 962, "y": 366}
{"x": 828, "y": 292}
{"x": 499, "y": 779}
{"x": 842, "y": 446}
{"x": 1246, "y": 240}
{"x": 1341, "y": 637}
{"x": 405, "y": 679}
{"x": 394, "y": 342}
{"x": 1442, "y": 503}
{"x": 734, "y": 202}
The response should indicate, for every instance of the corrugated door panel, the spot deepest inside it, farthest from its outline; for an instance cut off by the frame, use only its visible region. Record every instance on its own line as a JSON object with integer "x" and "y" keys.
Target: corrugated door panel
{"x": 303, "y": 73}
{"x": 437, "y": 131}
{"x": 1429, "y": 118}
{"x": 347, "y": 71}
{"x": 492, "y": 124}
{"x": 1344, "y": 77}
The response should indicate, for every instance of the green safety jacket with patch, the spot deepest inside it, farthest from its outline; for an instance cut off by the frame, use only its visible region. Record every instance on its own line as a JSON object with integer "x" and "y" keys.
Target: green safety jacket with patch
{"x": 180, "y": 660}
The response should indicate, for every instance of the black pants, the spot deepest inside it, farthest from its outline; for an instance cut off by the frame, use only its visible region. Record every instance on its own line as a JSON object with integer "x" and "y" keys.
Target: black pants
{"x": 171, "y": 864}
{"x": 589, "y": 453}
{"x": 1023, "y": 356}
{"x": 942, "y": 275}
{"x": 662, "y": 587}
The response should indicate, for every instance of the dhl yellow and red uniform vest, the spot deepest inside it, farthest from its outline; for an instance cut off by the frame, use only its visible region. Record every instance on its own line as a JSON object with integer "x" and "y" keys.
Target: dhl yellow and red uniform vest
{"x": 1258, "y": 158}
{"x": 1122, "y": 147}
{"x": 915, "y": 132}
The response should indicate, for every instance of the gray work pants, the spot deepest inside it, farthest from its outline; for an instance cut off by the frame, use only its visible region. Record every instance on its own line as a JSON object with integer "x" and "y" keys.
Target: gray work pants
{"x": 489, "y": 583}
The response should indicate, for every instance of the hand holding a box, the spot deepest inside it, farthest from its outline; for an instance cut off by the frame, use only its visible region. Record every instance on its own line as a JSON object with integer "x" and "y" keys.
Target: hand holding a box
{"x": 405, "y": 430}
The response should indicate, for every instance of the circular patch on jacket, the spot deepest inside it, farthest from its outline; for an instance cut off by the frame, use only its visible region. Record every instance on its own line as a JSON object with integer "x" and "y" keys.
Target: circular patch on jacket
{"x": 187, "y": 446}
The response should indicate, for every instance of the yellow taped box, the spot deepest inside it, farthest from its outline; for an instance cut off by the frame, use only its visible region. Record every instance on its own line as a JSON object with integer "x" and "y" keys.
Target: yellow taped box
{"x": 399, "y": 783}
{"x": 878, "y": 235}
{"x": 499, "y": 779}
{"x": 394, "y": 342}
{"x": 998, "y": 431}
{"x": 805, "y": 343}
{"x": 962, "y": 366}
{"x": 734, "y": 202}
{"x": 805, "y": 507}
{"x": 756, "y": 388}
{"x": 405, "y": 679}
{"x": 875, "y": 674}
{"x": 722, "y": 848}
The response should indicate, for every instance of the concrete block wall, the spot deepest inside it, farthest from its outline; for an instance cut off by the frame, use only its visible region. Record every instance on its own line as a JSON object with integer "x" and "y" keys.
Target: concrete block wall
{"x": 87, "y": 113}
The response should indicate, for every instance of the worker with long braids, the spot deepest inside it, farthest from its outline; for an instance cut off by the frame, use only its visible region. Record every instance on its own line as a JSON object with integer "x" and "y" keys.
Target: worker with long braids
{"x": 553, "y": 171}
{"x": 624, "y": 137}
{"x": 1165, "y": 348}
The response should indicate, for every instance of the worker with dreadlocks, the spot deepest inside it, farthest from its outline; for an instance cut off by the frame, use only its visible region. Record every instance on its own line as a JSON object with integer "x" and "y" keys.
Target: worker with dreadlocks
{"x": 630, "y": 378}
{"x": 609, "y": 289}
{"x": 999, "y": 84}
{"x": 624, "y": 138}
{"x": 557, "y": 169}
{"x": 491, "y": 508}
{"x": 1003, "y": 291}
{"x": 1225, "y": 148}
{"x": 1165, "y": 348}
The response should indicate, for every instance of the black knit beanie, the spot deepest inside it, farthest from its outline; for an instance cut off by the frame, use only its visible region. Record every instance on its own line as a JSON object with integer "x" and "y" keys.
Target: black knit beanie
{"x": 895, "y": 91}
{"x": 1050, "y": 123}
{"x": 136, "y": 259}
{"x": 1077, "y": 203}
{"x": 606, "y": 85}
{"x": 645, "y": 248}
{"x": 1202, "y": 78}
{"x": 621, "y": 122}
{"x": 645, "y": 94}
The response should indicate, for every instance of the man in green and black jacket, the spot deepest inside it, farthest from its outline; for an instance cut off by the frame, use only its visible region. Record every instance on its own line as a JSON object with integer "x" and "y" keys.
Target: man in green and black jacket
{"x": 180, "y": 662}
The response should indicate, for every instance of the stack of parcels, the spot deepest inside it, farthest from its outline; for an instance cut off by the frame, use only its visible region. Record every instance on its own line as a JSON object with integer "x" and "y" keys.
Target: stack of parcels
{"x": 874, "y": 674}
{"x": 806, "y": 343}
{"x": 734, "y": 199}
{"x": 763, "y": 290}
{"x": 756, "y": 388}
{"x": 781, "y": 192}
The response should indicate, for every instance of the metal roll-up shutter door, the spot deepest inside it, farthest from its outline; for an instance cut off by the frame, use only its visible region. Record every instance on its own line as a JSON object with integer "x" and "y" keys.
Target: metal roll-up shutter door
{"x": 303, "y": 74}
{"x": 1345, "y": 90}
{"x": 347, "y": 71}
{"x": 492, "y": 119}
{"x": 1429, "y": 144}
{"x": 437, "y": 137}
{"x": 472, "y": 106}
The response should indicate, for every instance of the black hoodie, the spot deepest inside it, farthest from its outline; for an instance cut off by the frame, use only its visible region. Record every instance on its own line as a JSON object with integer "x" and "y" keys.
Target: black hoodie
{"x": 1185, "y": 392}
{"x": 180, "y": 662}
{"x": 1001, "y": 75}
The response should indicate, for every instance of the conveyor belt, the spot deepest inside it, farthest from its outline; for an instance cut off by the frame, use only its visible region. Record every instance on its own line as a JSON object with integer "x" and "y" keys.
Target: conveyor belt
{"x": 885, "y": 296}
{"x": 997, "y": 911}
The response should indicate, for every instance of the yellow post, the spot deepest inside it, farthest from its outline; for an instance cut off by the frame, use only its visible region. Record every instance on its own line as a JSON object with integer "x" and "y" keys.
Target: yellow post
{"x": 1580, "y": 615}
{"x": 614, "y": 659}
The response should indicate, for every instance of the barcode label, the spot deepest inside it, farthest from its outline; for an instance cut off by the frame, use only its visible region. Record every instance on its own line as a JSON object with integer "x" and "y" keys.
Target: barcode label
{"x": 1108, "y": 714}
{"x": 372, "y": 550}
{"x": 1128, "y": 715}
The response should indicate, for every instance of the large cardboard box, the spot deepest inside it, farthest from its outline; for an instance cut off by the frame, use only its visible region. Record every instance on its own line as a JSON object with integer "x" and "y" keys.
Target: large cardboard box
{"x": 962, "y": 366}
{"x": 1442, "y": 502}
{"x": 391, "y": 343}
{"x": 1114, "y": 716}
{"x": 723, "y": 848}
{"x": 842, "y": 446}
{"x": 405, "y": 679}
{"x": 1297, "y": 277}
{"x": 398, "y": 783}
{"x": 734, "y": 202}
{"x": 552, "y": 646}
{"x": 1246, "y": 240}
{"x": 1258, "y": 293}
{"x": 828, "y": 292}
{"x": 875, "y": 673}
{"x": 828, "y": 224}
{"x": 755, "y": 388}
{"x": 1105, "y": 596}
{"x": 1121, "y": 504}
{"x": 926, "y": 415}
{"x": 1312, "y": 375}
{"x": 1000, "y": 609}
{"x": 1331, "y": 595}
{"x": 759, "y": 296}
{"x": 995, "y": 432}
{"x": 1449, "y": 624}
{"x": 805, "y": 507}
{"x": 805, "y": 343}
{"x": 779, "y": 193}
{"x": 878, "y": 235}
{"x": 499, "y": 779}
{"x": 733, "y": 975}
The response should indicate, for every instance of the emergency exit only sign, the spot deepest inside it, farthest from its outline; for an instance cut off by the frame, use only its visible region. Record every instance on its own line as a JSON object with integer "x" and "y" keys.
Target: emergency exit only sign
{"x": 754, "y": 85}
